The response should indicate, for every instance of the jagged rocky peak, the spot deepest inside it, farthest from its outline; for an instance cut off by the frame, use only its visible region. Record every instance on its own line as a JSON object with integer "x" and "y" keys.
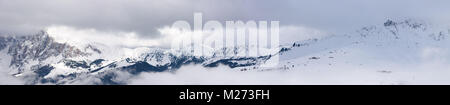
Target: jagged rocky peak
{"x": 411, "y": 23}
{"x": 395, "y": 28}
{"x": 2, "y": 43}
{"x": 92, "y": 48}
{"x": 38, "y": 47}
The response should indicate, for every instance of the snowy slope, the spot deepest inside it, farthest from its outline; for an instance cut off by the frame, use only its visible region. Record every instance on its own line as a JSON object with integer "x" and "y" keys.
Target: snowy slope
{"x": 405, "y": 44}
{"x": 396, "y": 52}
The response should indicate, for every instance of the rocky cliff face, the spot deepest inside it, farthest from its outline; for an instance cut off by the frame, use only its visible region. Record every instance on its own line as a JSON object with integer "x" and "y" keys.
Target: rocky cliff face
{"x": 26, "y": 51}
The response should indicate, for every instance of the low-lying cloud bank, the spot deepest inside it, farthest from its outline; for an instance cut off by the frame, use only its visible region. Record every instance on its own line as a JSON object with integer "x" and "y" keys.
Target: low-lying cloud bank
{"x": 432, "y": 73}
{"x": 197, "y": 75}
{"x": 6, "y": 78}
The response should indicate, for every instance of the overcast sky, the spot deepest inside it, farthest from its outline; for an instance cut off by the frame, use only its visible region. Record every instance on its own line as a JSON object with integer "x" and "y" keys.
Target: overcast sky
{"x": 146, "y": 16}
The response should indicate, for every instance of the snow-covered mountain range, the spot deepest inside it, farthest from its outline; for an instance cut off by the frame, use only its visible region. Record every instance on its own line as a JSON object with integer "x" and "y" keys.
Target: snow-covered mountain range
{"x": 48, "y": 61}
{"x": 383, "y": 48}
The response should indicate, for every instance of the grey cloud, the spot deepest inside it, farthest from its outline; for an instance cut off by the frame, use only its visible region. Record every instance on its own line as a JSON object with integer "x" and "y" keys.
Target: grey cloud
{"x": 145, "y": 16}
